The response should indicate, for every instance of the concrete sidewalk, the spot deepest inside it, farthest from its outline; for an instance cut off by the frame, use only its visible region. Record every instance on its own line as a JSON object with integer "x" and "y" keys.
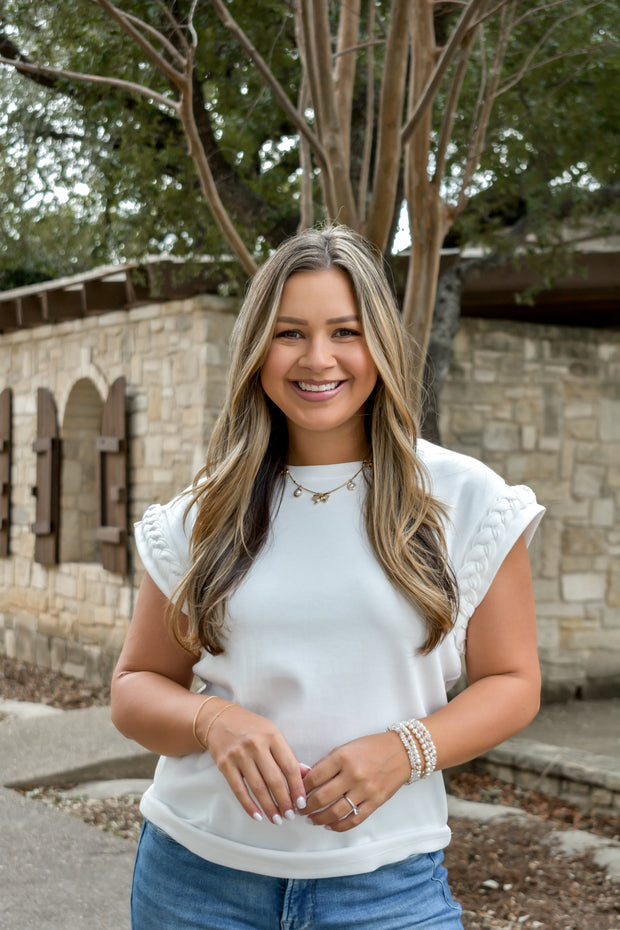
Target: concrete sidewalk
{"x": 57, "y": 873}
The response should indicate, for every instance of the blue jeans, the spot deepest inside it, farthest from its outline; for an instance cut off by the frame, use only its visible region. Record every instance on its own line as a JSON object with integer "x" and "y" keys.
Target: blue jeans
{"x": 173, "y": 889}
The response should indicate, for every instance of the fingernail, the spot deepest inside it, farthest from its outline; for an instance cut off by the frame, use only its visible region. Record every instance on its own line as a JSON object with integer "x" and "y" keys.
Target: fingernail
{"x": 290, "y": 815}
{"x": 277, "y": 819}
{"x": 257, "y": 817}
{"x": 301, "y": 803}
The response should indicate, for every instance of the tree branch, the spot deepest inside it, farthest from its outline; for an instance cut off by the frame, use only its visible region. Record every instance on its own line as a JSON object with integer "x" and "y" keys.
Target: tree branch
{"x": 477, "y": 143}
{"x": 61, "y": 74}
{"x": 525, "y": 67}
{"x": 389, "y": 122}
{"x": 306, "y": 212}
{"x": 362, "y": 193}
{"x": 173, "y": 22}
{"x": 445, "y": 59}
{"x": 269, "y": 78}
{"x": 172, "y": 51}
{"x": 150, "y": 51}
{"x": 344, "y": 72}
{"x": 449, "y": 112}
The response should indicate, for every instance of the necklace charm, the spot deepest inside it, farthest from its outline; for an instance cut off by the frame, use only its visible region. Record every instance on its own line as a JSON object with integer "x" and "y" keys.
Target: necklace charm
{"x": 321, "y": 497}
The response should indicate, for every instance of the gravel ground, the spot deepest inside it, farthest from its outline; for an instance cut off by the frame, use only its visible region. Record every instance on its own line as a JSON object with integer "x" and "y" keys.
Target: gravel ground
{"x": 505, "y": 876}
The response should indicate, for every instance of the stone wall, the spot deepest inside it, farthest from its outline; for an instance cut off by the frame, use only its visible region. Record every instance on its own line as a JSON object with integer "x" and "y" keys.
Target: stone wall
{"x": 541, "y": 405}
{"x": 73, "y": 617}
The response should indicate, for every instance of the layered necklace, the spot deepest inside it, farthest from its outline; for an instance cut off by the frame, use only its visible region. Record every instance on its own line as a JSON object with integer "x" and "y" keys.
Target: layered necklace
{"x": 321, "y": 497}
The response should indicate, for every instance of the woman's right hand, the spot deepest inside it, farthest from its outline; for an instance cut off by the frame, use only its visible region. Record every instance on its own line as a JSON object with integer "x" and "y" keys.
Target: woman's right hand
{"x": 256, "y": 761}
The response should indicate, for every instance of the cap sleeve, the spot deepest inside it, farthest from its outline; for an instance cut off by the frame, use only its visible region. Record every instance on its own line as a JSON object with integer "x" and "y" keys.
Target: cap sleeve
{"x": 163, "y": 543}
{"x": 504, "y": 518}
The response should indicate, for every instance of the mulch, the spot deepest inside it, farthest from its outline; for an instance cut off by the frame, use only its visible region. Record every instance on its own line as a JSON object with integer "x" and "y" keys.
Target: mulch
{"x": 505, "y": 874}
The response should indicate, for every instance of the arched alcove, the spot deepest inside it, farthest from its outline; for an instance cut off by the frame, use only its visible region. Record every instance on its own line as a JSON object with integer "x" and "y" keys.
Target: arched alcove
{"x": 79, "y": 501}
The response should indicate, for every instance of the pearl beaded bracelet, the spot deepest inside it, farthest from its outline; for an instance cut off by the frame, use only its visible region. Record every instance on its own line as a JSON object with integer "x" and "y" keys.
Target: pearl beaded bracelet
{"x": 412, "y": 734}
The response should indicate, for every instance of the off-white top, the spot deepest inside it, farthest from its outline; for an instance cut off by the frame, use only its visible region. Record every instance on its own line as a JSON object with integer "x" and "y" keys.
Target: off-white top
{"x": 321, "y": 643}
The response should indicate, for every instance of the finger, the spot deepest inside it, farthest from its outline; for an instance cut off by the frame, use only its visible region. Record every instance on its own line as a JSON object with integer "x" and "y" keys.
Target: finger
{"x": 240, "y": 790}
{"x": 268, "y": 785}
{"x": 291, "y": 770}
{"x": 340, "y": 810}
{"x": 321, "y": 774}
{"x": 350, "y": 821}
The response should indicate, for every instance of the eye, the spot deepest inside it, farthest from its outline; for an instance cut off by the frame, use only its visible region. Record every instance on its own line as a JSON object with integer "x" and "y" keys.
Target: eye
{"x": 289, "y": 334}
{"x": 345, "y": 332}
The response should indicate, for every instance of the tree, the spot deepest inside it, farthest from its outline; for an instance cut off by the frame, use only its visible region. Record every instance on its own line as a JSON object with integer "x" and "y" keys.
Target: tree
{"x": 375, "y": 101}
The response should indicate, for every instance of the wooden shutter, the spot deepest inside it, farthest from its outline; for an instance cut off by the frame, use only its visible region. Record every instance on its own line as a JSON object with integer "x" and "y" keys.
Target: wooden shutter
{"x": 47, "y": 489}
{"x": 6, "y": 399}
{"x": 112, "y": 448}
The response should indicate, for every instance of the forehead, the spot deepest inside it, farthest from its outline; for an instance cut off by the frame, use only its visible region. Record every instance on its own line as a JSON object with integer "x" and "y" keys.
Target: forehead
{"x": 318, "y": 293}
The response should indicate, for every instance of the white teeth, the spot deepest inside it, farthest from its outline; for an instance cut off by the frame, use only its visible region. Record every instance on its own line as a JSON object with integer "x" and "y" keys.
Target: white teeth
{"x": 318, "y": 388}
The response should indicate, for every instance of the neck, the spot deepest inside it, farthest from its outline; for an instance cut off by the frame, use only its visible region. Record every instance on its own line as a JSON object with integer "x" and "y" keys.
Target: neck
{"x": 322, "y": 451}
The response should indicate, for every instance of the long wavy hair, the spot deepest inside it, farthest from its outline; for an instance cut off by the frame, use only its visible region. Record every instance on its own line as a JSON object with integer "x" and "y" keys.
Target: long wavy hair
{"x": 235, "y": 492}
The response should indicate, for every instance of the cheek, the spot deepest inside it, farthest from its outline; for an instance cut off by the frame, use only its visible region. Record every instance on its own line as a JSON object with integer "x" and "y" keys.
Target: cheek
{"x": 271, "y": 372}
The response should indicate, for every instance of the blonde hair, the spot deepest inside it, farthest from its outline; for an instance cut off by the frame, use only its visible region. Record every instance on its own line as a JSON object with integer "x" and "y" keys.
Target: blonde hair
{"x": 234, "y": 491}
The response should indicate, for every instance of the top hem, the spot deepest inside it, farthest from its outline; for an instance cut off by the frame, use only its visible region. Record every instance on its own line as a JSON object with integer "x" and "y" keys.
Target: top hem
{"x": 291, "y": 864}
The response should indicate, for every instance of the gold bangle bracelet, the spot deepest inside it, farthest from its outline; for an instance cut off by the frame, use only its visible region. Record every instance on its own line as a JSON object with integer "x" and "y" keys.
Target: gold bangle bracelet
{"x": 196, "y": 737}
{"x": 213, "y": 719}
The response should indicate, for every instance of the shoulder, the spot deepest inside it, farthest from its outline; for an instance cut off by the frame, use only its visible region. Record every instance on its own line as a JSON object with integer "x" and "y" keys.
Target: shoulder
{"x": 481, "y": 508}
{"x": 453, "y": 475}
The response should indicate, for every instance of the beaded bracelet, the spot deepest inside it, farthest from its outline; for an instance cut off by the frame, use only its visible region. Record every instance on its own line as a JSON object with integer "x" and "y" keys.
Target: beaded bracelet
{"x": 424, "y": 738}
{"x": 413, "y": 733}
{"x": 411, "y": 749}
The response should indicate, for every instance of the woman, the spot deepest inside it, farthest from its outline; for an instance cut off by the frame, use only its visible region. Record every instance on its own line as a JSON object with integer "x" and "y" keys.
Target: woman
{"x": 322, "y": 578}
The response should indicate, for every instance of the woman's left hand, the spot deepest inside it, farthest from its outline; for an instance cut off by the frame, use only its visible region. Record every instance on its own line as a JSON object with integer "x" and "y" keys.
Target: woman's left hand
{"x": 367, "y": 771}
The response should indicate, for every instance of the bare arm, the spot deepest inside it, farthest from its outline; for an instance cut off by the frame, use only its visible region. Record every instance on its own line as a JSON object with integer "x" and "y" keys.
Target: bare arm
{"x": 501, "y": 699}
{"x": 152, "y": 704}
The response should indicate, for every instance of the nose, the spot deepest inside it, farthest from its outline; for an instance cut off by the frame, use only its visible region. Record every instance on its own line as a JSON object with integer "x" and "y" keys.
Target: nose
{"x": 317, "y": 355}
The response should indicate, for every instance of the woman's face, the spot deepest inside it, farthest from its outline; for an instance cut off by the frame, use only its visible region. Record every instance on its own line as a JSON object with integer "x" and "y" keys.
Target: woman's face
{"x": 319, "y": 371}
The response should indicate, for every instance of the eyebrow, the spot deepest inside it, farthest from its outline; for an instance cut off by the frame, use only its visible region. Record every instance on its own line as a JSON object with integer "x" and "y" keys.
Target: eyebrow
{"x": 336, "y": 319}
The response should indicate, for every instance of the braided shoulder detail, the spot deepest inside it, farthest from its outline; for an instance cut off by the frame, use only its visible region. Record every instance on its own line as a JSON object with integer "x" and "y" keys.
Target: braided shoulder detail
{"x": 155, "y": 536}
{"x": 485, "y": 539}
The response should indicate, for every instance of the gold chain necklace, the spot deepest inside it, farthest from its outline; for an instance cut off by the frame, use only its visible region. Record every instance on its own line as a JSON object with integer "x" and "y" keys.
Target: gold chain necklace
{"x": 321, "y": 497}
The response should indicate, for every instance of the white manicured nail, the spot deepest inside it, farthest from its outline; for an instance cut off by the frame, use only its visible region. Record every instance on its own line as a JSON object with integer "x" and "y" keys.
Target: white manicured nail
{"x": 301, "y": 803}
{"x": 257, "y": 817}
{"x": 290, "y": 815}
{"x": 277, "y": 819}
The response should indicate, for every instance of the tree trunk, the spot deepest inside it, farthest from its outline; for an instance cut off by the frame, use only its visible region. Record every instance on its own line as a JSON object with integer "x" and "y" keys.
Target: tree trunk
{"x": 446, "y": 318}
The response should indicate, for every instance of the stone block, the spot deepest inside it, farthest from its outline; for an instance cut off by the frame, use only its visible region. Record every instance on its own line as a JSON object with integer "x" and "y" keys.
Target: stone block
{"x": 583, "y": 540}
{"x": 58, "y": 653}
{"x": 582, "y": 429}
{"x": 613, "y": 584}
{"x": 602, "y": 511}
{"x": 25, "y": 645}
{"x": 65, "y": 586}
{"x": 583, "y": 586}
{"x": 609, "y": 424}
{"x": 500, "y": 437}
{"x": 10, "y": 644}
{"x": 588, "y": 480}
{"x": 529, "y": 466}
{"x": 42, "y": 651}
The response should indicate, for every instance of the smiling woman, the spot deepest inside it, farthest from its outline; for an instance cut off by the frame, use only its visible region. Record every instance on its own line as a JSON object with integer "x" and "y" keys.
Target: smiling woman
{"x": 319, "y": 371}
{"x": 326, "y": 626}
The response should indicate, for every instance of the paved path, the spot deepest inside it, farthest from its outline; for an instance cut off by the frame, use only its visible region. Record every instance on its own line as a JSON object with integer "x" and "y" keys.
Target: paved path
{"x": 57, "y": 873}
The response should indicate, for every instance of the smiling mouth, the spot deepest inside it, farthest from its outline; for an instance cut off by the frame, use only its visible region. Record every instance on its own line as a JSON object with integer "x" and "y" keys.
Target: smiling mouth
{"x": 317, "y": 388}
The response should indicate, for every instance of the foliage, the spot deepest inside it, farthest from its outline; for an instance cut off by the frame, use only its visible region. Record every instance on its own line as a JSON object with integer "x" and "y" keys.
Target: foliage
{"x": 517, "y": 132}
